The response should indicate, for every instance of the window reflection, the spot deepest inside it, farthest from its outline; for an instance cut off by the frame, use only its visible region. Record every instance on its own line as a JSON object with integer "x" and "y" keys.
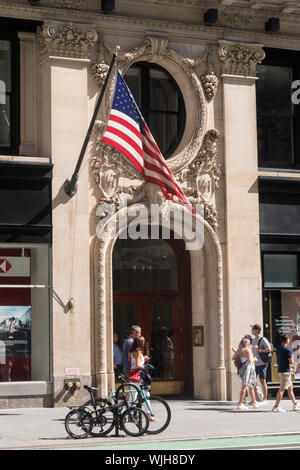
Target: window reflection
{"x": 5, "y": 91}
{"x": 274, "y": 115}
{"x": 162, "y": 340}
{"x": 144, "y": 265}
{"x": 280, "y": 270}
{"x": 161, "y": 103}
{"x": 24, "y": 313}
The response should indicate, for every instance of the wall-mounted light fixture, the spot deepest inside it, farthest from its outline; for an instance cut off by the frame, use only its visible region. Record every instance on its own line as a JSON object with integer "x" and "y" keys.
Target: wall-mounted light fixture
{"x": 198, "y": 335}
{"x": 71, "y": 385}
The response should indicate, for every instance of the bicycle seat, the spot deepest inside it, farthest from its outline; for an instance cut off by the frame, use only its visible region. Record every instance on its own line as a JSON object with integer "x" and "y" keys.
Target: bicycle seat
{"x": 90, "y": 389}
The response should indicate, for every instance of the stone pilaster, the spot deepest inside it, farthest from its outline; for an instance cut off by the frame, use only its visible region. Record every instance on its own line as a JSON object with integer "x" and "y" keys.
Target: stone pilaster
{"x": 244, "y": 306}
{"x": 65, "y": 52}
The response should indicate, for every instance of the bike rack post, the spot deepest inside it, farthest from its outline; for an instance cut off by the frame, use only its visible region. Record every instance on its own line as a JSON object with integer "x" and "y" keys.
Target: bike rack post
{"x": 117, "y": 415}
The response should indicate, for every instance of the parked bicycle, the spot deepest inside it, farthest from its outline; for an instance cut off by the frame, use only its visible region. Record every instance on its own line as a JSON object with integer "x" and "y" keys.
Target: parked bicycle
{"x": 155, "y": 407}
{"x": 98, "y": 416}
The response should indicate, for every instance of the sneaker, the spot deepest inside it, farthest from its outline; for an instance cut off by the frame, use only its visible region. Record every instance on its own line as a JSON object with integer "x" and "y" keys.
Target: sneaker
{"x": 277, "y": 409}
{"x": 257, "y": 405}
{"x": 264, "y": 402}
{"x": 242, "y": 407}
{"x": 296, "y": 407}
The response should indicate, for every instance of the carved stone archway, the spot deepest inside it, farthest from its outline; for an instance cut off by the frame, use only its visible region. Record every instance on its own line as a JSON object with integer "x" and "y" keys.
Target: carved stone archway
{"x": 116, "y": 182}
{"x": 103, "y": 249}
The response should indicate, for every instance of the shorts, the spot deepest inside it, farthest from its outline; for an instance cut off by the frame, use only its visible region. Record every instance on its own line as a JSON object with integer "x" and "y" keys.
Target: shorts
{"x": 261, "y": 371}
{"x": 285, "y": 380}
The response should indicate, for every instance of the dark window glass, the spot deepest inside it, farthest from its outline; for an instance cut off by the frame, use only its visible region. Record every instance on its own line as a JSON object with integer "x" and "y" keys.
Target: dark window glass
{"x": 160, "y": 102}
{"x": 280, "y": 270}
{"x": 162, "y": 340}
{"x": 9, "y": 96}
{"x": 142, "y": 265}
{"x": 277, "y": 116}
{"x": 5, "y": 93}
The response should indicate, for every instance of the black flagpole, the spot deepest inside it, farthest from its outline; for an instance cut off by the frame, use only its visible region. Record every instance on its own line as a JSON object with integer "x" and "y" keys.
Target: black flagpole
{"x": 70, "y": 185}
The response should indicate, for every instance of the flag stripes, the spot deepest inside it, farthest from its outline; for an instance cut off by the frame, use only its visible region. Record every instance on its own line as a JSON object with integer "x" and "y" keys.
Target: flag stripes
{"x": 127, "y": 132}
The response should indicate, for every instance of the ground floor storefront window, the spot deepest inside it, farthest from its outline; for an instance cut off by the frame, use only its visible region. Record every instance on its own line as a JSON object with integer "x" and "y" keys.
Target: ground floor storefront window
{"x": 282, "y": 315}
{"x": 281, "y": 302}
{"x": 24, "y": 313}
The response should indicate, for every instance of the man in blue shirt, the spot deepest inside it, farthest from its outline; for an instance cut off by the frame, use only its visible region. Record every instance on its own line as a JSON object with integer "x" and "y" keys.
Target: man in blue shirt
{"x": 285, "y": 371}
{"x": 135, "y": 331}
{"x": 118, "y": 357}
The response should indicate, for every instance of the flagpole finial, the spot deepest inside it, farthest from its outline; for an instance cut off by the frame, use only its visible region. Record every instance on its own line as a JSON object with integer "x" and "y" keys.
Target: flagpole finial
{"x": 118, "y": 49}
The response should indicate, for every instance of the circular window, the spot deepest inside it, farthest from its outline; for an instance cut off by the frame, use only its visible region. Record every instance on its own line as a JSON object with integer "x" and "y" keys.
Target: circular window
{"x": 161, "y": 103}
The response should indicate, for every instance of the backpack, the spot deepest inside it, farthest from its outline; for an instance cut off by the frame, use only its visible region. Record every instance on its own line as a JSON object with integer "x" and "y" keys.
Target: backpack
{"x": 266, "y": 356}
{"x": 238, "y": 363}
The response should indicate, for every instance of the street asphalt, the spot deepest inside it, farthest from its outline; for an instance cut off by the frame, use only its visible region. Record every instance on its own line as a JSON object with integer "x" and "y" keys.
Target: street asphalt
{"x": 194, "y": 424}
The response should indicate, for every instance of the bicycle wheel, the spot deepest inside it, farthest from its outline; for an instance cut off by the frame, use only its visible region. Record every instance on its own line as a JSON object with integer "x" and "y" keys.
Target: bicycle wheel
{"x": 134, "y": 421}
{"x": 128, "y": 393}
{"x": 78, "y": 423}
{"x": 102, "y": 419}
{"x": 160, "y": 411}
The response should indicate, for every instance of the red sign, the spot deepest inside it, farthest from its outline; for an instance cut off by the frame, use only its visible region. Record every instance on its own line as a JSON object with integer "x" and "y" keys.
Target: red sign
{"x": 4, "y": 266}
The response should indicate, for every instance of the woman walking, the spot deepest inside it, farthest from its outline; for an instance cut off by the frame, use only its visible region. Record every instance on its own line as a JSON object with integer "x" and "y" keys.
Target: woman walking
{"x": 246, "y": 372}
{"x": 137, "y": 361}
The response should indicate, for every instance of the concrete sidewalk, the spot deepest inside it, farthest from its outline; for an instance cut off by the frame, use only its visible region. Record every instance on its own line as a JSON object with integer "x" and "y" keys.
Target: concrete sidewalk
{"x": 38, "y": 428}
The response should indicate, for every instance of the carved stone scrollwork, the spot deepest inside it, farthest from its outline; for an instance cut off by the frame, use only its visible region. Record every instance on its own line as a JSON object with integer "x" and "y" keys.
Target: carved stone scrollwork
{"x": 201, "y": 177}
{"x": 155, "y": 49}
{"x": 116, "y": 179}
{"x": 99, "y": 72}
{"x": 236, "y": 20}
{"x": 158, "y": 47}
{"x": 240, "y": 58}
{"x": 66, "y": 40}
{"x": 74, "y": 4}
{"x": 210, "y": 81}
{"x": 196, "y": 170}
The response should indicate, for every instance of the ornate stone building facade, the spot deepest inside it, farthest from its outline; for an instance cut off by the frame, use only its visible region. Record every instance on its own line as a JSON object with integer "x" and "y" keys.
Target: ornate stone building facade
{"x": 64, "y": 59}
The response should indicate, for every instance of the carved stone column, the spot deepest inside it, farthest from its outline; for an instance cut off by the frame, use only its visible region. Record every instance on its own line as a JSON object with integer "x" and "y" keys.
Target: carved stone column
{"x": 239, "y": 62}
{"x": 240, "y": 59}
{"x": 65, "y": 52}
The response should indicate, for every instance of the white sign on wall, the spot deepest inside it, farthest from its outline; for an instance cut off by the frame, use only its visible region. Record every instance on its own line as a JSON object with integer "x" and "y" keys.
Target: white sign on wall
{"x": 14, "y": 266}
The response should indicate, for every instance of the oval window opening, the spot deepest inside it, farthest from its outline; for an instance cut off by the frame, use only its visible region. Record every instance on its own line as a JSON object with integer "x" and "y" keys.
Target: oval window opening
{"x": 161, "y": 103}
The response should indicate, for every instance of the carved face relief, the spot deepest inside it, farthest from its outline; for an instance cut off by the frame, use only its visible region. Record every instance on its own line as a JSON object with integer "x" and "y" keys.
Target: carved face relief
{"x": 204, "y": 186}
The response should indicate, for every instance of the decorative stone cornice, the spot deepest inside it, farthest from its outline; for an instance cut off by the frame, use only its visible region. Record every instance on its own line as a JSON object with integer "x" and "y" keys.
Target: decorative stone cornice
{"x": 236, "y": 20}
{"x": 66, "y": 40}
{"x": 74, "y": 4}
{"x": 240, "y": 58}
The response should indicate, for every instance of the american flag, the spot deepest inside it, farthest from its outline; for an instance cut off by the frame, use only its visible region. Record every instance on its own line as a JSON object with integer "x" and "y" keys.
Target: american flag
{"x": 128, "y": 132}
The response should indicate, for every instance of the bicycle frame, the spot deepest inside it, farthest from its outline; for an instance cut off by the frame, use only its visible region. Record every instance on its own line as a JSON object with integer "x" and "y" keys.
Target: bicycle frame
{"x": 144, "y": 396}
{"x": 113, "y": 394}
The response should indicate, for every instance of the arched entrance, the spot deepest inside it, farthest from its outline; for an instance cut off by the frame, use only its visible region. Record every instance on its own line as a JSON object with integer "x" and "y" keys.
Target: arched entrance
{"x": 206, "y": 283}
{"x": 152, "y": 289}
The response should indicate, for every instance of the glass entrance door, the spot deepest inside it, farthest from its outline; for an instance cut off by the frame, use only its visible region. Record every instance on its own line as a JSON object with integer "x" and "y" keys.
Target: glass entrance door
{"x": 160, "y": 318}
{"x": 151, "y": 281}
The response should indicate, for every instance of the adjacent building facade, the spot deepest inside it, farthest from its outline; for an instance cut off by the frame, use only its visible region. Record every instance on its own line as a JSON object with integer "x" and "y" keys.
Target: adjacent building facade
{"x": 219, "y": 94}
